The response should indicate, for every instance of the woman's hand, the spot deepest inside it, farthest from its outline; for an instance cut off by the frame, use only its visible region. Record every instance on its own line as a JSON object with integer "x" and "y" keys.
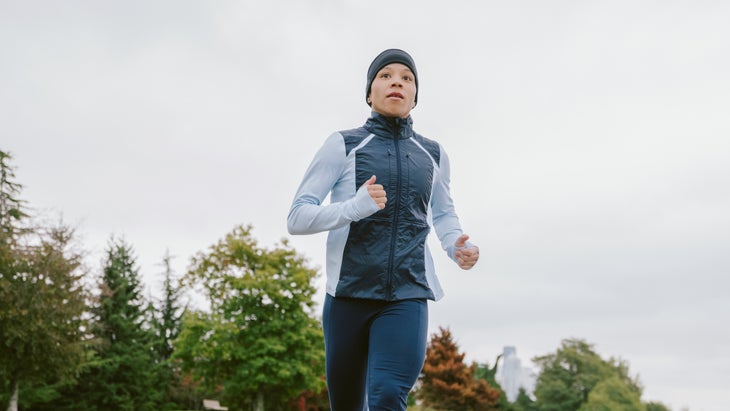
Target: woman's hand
{"x": 466, "y": 257}
{"x": 377, "y": 192}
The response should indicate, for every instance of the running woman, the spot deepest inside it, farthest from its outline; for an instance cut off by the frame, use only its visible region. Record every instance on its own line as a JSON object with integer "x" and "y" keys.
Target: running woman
{"x": 386, "y": 183}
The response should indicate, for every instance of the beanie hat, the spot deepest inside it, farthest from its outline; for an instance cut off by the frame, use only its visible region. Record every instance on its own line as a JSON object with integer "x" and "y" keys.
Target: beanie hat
{"x": 387, "y": 57}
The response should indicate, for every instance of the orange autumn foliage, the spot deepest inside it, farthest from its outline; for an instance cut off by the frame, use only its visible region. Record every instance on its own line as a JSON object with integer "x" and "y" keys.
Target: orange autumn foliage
{"x": 449, "y": 384}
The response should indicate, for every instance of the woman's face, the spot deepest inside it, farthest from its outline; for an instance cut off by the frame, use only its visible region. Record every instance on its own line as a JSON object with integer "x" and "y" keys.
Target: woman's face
{"x": 393, "y": 91}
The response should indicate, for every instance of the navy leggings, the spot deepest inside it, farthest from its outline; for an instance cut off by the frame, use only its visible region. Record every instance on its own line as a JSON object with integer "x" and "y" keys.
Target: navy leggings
{"x": 373, "y": 346}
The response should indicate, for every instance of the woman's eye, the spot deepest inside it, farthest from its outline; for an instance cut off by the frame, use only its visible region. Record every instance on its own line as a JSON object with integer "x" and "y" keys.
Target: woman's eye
{"x": 385, "y": 75}
{"x": 407, "y": 78}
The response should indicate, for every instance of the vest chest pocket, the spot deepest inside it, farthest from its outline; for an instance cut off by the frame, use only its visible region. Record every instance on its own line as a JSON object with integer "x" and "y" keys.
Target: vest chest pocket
{"x": 418, "y": 173}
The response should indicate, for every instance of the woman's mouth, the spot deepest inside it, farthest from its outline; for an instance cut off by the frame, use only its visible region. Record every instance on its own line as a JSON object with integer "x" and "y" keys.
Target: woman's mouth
{"x": 395, "y": 95}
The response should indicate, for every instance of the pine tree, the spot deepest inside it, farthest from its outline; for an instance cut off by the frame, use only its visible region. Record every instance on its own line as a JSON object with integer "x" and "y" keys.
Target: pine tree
{"x": 166, "y": 324}
{"x": 42, "y": 299}
{"x": 168, "y": 321}
{"x": 447, "y": 383}
{"x": 121, "y": 374}
{"x": 12, "y": 208}
{"x": 523, "y": 402}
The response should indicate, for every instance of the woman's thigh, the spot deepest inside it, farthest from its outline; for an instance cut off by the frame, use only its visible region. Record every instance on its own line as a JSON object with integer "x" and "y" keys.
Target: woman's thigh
{"x": 397, "y": 349}
{"x": 346, "y": 328}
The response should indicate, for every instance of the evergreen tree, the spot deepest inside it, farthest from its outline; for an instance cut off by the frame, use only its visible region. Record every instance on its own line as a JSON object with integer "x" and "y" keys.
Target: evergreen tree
{"x": 259, "y": 344}
{"x": 447, "y": 383}
{"x": 489, "y": 374}
{"x": 168, "y": 321}
{"x": 41, "y": 316}
{"x": 166, "y": 324}
{"x": 12, "y": 212}
{"x": 121, "y": 375}
{"x": 42, "y": 299}
{"x": 523, "y": 402}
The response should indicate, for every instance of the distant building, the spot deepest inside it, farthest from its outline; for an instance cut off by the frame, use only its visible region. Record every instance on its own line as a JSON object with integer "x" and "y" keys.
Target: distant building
{"x": 512, "y": 376}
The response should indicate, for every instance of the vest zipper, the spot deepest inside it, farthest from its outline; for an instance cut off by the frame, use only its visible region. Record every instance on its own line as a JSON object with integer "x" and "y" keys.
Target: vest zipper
{"x": 394, "y": 230}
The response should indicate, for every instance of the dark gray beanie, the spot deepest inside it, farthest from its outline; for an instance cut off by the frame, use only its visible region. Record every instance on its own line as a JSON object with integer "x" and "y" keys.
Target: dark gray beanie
{"x": 387, "y": 57}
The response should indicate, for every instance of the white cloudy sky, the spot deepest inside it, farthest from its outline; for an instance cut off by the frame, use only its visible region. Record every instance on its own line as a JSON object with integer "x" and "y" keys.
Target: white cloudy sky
{"x": 589, "y": 140}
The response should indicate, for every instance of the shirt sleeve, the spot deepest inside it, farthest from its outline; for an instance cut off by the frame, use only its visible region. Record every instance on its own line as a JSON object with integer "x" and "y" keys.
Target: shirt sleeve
{"x": 307, "y": 214}
{"x": 445, "y": 221}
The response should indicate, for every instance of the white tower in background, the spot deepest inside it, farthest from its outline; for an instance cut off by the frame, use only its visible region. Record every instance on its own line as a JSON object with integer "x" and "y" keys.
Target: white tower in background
{"x": 512, "y": 376}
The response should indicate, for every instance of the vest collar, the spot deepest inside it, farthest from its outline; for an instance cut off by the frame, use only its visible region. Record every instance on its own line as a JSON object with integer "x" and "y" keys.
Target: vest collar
{"x": 389, "y": 127}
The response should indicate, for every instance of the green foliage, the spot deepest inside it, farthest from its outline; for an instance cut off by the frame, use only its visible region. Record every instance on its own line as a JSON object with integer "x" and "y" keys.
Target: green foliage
{"x": 523, "y": 402}
{"x": 63, "y": 350}
{"x": 484, "y": 372}
{"x": 119, "y": 313}
{"x": 12, "y": 211}
{"x": 166, "y": 323}
{"x": 259, "y": 337}
{"x": 656, "y": 406}
{"x": 41, "y": 316}
{"x": 167, "y": 319}
{"x": 122, "y": 371}
{"x": 612, "y": 394}
{"x": 42, "y": 299}
{"x": 569, "y": 375}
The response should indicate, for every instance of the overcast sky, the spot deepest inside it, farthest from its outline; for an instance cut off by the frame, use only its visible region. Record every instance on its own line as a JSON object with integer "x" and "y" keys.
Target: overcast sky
{"x": 589, "y": 141}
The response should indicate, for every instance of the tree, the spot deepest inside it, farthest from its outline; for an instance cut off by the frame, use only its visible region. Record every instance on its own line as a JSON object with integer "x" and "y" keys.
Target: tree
{"x": 489, "y": 374}
{"x": 447, "y": 383}
{"x": 656, "y": 406}
{"x": 569, "y": 375}
{"x": 259, "y": 340}
{"x": 12, "y": 212}
{"x": 523, "y": 402}
{"x": 166, "y": 323}
{"x": 41, "y": 318}
{"x": 168, "y": 319}
{"x": 42, "y": 299}
{"x": 121, "y": 374}
{"x": 612, "y": 394}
